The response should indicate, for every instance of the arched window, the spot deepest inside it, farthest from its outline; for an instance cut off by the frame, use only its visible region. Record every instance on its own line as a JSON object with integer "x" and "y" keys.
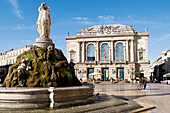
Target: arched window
{"x": 119, "y": 52}
{"x": 72, "y": 57}
{"x": 105, "y": 52}
{"x": 91, "y": 53}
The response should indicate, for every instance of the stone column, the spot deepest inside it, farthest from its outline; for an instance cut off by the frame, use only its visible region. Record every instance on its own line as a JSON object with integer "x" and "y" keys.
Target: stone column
{"x": 82, "y": 52}
{"x": 125, "y": 56}
{"x": 112, "y": 51}
{"x": 100, "y": 52}
{"x": 132, "y": 51}
{"x": 78, "y": 52}
{"x": 146, "y": 50}
{"x": 110, "y": 58}
{"x": 127, "y": 50}
{"x": 135, "y": 52}
{"x": 97, "y": 51}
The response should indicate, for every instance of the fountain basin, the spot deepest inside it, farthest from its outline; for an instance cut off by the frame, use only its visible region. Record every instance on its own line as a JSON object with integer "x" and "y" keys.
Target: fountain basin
{"x": 22, "y": 98}
{"x": 73, "y": 95}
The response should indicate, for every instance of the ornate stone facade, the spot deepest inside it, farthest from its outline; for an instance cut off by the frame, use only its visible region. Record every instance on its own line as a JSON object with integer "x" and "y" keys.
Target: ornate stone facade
{"x": 117, "y": 51}
{"x": 160, "y": 66}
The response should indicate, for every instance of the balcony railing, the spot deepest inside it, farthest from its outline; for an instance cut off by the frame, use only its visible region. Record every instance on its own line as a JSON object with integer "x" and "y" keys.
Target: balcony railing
{"x": 120, "y": 61}
{"x": 90, "y": 62}
{"x": 105, "y": 61}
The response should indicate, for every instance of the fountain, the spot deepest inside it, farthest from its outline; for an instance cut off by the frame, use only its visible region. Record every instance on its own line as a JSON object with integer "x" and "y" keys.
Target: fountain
{"x": 41, "y": 76}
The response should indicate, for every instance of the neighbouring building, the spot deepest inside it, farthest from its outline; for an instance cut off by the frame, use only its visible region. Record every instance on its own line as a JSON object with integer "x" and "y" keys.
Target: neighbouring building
{"x": 160, "y": 66}
{"x": 9, "y": 58}
{"x": 116, "y": 51}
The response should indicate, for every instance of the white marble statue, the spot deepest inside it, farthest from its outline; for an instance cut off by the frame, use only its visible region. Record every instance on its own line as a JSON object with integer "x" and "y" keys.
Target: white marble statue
{"x": 44, "y": 21}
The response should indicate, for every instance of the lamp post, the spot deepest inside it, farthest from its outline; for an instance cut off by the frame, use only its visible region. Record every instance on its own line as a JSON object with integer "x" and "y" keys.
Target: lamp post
{"x": 131, "y": 71}
{"x": 77, "y": 71}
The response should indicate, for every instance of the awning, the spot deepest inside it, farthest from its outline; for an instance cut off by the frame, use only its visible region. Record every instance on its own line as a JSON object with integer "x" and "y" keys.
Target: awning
{"x": 98, "y": 75}
{"x": 166, "y": 75}
{"x": 91, "y": 74}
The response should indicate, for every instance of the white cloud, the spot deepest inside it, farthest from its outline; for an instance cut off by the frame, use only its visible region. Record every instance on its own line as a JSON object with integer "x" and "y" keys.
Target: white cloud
{"x": 80, "y": 18}
{"x": 16, "y": 10}
{"x": 129, "y": 16}
{"x": 107, "y": 19}
{"x": 22, "y": 27}
{"x": 162, "y": 38}
{"x": 18, "y": 27}
{"x": 83, "y": 20}
{"x": 28, "y": 41}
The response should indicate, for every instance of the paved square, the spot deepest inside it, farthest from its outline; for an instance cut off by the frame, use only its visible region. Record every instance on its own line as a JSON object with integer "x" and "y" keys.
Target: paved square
{"x": 159, "y": 95}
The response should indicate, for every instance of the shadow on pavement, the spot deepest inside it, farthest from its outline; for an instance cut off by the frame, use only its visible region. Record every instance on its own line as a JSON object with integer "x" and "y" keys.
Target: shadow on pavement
{"x": 135, "y": 89}
{"x": 138, "y": 96}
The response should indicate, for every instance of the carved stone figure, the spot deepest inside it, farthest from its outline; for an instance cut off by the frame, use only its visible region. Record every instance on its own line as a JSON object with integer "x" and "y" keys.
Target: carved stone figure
{"x": 44, "y": 21}
{"x": 43, "y": 26}
{"x": 146, "y": 29}
{"x": 50, "y": 48}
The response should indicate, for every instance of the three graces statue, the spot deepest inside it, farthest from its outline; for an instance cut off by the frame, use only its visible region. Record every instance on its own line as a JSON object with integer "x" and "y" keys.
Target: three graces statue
{"x": 44, "y": 21}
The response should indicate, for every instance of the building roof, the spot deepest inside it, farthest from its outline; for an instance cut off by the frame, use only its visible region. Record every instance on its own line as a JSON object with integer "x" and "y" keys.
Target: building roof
{"x": 108, "y": 30}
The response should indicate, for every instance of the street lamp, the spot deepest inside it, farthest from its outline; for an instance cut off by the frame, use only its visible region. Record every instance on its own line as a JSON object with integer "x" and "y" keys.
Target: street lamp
{"x": 131, "y": 70}
{"x": 77, "y": 70}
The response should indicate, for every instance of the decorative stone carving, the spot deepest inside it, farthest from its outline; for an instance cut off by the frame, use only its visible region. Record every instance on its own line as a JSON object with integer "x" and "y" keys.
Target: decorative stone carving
{"x": 43, "y": 27}
{"x": 44, "y": 21}
{"x": 50, "y": 48}
{"x": 24, "y": 65}
{"x": 146, "y": 29}
{"x": 107, "y": 29}
{"x": 141, "y": 49}
{"x": 67, "y": 33}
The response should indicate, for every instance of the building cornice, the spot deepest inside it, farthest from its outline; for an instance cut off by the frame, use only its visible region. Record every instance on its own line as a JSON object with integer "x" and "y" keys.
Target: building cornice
{"x": 73, "y": 37}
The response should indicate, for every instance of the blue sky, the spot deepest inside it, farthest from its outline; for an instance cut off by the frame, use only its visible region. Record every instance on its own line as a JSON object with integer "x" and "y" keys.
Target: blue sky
{"x": 18, "y": 20}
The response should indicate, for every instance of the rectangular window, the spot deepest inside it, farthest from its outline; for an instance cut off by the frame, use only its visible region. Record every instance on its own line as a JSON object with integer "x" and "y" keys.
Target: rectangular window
{"x": 72, "y": 57}
{"x": 140, "y": 55}
{"x": 168, "y": 61}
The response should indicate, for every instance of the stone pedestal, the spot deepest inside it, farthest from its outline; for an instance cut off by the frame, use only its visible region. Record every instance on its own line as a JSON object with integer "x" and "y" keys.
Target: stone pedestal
{"x": 43, "y": 42}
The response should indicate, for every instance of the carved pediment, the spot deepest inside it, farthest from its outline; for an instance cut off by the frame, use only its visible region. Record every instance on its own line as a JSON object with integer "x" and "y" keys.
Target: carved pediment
{"x": 106, "y": 29}
{"x": 72, "y": 51}
{"x": 141, "y": 49}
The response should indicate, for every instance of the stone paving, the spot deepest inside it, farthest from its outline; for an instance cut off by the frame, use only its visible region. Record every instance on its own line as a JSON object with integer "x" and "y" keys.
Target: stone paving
{"x": 159, "y": 95}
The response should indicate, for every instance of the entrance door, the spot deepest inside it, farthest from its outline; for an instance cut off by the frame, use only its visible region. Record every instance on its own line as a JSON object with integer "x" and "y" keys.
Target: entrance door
{"x": 141, "y": 75}
{"x": 120, "y": 73}
{"x": 105, "y": 72}
{"x": 90, "y": 70}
